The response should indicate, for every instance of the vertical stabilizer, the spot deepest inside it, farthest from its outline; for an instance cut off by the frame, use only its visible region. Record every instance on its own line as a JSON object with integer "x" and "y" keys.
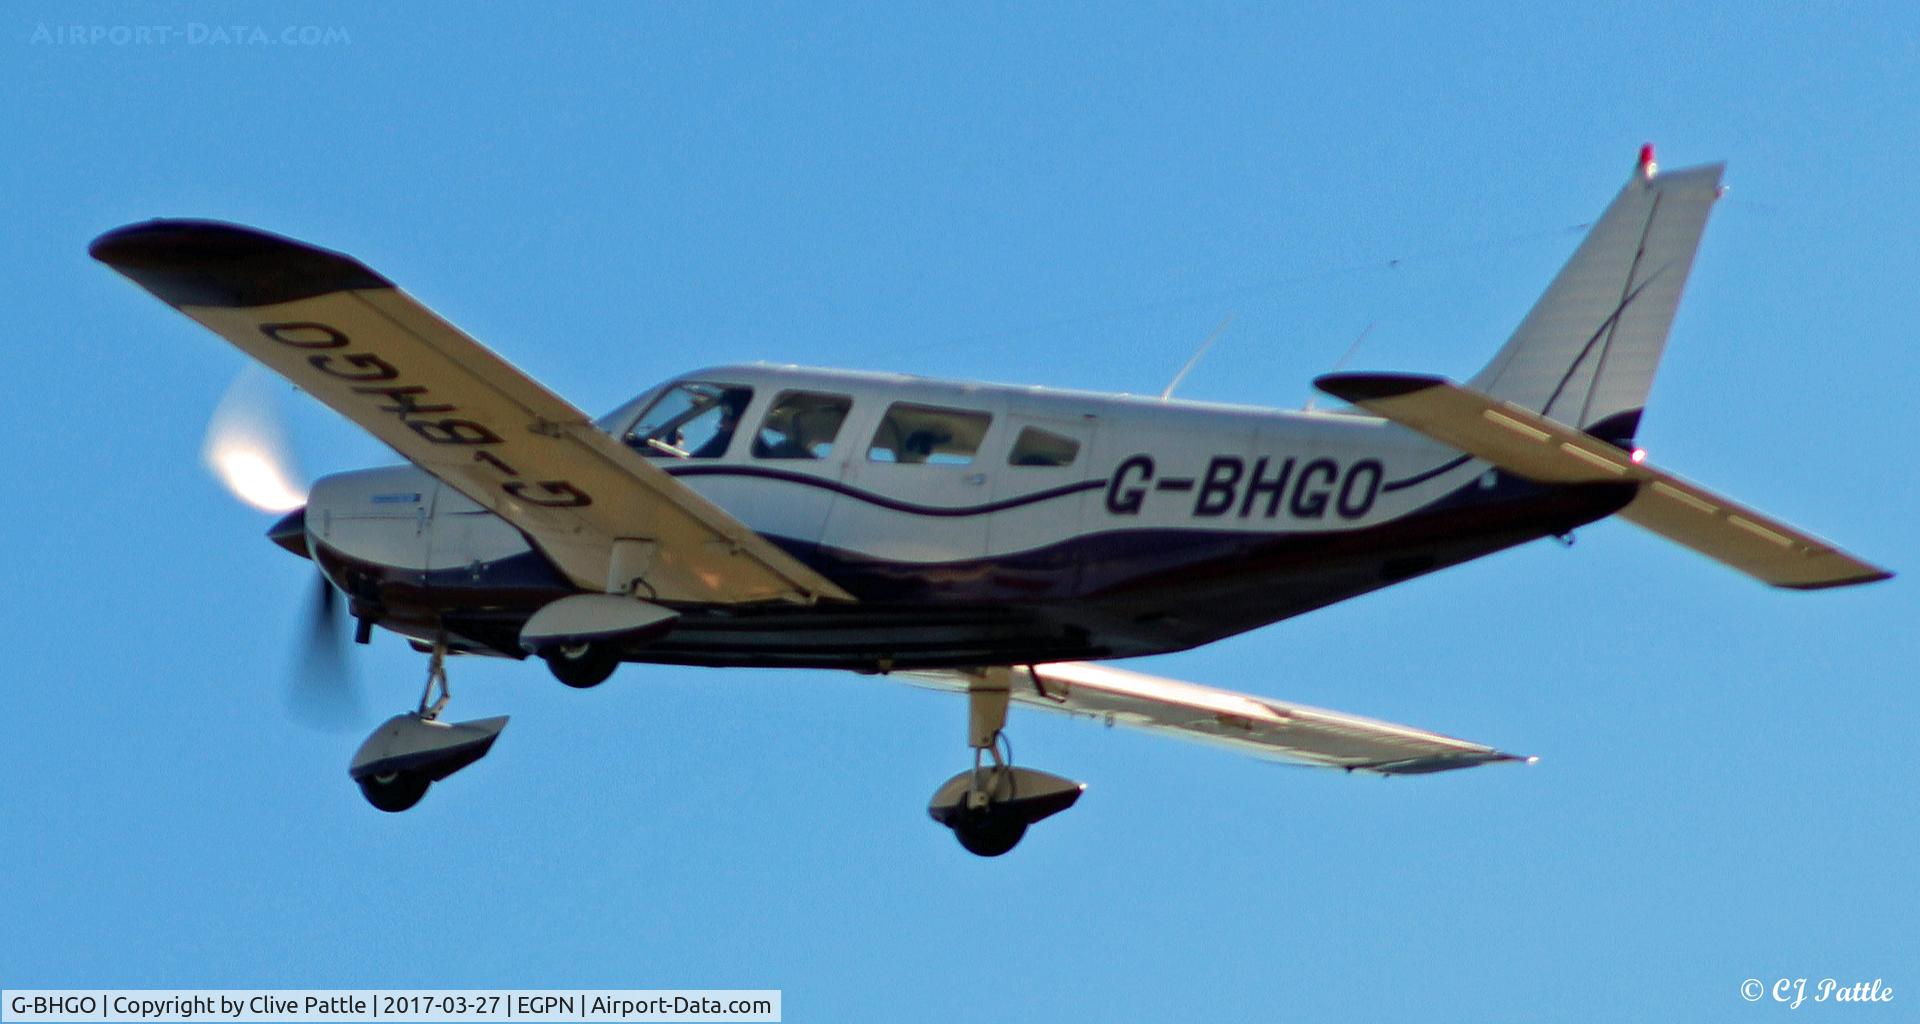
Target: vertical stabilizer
{"x": 1586, "y": 353}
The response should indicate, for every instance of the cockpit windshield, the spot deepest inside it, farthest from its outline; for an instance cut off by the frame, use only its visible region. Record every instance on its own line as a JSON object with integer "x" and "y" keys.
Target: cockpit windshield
{"x": 690, "y": 420}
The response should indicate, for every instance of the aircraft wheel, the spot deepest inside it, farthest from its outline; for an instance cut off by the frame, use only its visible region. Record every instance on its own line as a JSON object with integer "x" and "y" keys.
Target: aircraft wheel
{"x": 581, "y": 665}
{"x": 989, "y": 835}
{"x": 394, "y": 792}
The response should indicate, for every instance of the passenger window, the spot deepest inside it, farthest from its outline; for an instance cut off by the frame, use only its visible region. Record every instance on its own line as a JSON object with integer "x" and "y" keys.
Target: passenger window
{"x": 801, "y": 425}
{"x": 690, "y": 421}
{"x": 1036, "y": 447}
{"x": 913, "y": 434}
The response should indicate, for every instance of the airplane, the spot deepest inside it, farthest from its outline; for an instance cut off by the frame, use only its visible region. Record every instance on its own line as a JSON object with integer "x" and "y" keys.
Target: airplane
{"x": 1001, "y": 542}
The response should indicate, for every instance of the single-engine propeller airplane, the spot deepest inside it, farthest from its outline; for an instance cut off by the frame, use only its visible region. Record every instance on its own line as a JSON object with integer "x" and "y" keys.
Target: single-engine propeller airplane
{"x": 1001, "y": 542}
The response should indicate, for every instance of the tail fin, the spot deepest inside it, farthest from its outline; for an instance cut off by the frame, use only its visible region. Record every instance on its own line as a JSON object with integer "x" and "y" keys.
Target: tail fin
{"x": 1586, "y": 353}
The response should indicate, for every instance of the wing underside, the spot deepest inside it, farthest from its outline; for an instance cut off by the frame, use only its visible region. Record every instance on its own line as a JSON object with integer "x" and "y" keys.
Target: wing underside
{"x": 350, "y": 338}
{"x": 1244, "y": 722}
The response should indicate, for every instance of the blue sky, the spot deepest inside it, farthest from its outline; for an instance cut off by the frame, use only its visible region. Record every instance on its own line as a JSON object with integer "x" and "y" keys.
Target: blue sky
{"x": 1065, "y": 195}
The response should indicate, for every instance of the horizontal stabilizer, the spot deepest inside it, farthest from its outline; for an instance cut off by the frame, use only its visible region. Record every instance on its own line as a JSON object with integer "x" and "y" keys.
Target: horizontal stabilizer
{"x": 1528, "y": 444}
{"x": 1254, "y": 725}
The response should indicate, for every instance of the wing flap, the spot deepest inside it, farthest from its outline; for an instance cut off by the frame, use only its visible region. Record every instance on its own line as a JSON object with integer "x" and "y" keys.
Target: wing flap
{"x": 1254, "y": 725}
{"x": 1531, "y": 445}
{"x": 371, "y": 352}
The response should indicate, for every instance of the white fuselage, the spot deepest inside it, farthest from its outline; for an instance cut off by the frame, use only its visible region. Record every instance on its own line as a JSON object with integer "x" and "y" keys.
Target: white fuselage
{"x": 1078, "y": 507}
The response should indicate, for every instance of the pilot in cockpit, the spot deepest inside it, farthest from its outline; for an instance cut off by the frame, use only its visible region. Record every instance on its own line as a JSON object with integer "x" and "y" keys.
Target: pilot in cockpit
{"x": 732, "y": 403}
{"x": 690, "y": 421}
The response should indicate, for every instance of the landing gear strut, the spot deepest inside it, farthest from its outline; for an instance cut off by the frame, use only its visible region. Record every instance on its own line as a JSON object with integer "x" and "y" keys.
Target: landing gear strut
{"x": 408, "y": 753}
{"x": 990, "y": 807}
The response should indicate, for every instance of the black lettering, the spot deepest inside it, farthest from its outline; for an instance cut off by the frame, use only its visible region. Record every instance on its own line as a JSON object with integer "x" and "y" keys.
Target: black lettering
{"x": 453, "y": 432}
{"x": 406, "y": 405}
{"x": 564, "y": 494}
{"x": 494, "y": 460}
{"x": 1127, "y": 502}
{"x": 1219, "y": 486}
{"x": 1312, "y": 504}
{"x": 1351, "y": 507}
{"x": 304, "y": 334}
{"x": 371, "y": 367}
{"x": 1258, "y": 484}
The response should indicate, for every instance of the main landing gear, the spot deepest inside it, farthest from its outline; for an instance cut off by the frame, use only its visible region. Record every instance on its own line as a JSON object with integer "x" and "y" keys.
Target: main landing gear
{"x": 581, "y": 665}
{"x": 989, "y": 807}
{"x": 410, "y": 752}
{"x": 581, "y": 635}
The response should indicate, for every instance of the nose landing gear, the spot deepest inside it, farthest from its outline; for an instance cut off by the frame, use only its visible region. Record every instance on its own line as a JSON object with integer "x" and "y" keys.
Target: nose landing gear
{"x": 409, "y": 752}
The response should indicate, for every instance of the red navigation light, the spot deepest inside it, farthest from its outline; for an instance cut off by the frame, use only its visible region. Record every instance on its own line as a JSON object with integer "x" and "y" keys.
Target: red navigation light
{"x": 1647, "y": 166}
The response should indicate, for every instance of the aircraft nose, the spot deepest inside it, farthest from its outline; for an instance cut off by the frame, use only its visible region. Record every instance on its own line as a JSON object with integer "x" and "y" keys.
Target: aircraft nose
{"x": 291, "y": 532}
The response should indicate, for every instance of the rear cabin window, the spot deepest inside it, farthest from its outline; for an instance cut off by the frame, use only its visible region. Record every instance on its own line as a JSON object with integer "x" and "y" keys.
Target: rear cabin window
{"x": 801, "y": 425}
{"x": 1036, "y": 447}
{"x": 927, "y": 434}
{"x": 690, "y": 421}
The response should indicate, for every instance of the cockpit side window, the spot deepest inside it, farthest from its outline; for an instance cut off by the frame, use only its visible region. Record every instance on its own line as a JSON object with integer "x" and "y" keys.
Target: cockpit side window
{"x": 928, "y": 434}
{"x": 1036, "y": 447}
{"x": 690, "y": 420}
{"x": 801, "y": 425}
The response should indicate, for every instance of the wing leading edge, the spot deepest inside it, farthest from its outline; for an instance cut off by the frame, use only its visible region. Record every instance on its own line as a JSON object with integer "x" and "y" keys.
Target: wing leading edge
{"x": 1244, "y": 722}
{"x": 353, "y": 340}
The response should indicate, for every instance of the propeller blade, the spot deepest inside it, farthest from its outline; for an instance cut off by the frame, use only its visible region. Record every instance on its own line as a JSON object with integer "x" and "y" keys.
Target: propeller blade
{"x": 246, "y": 445}
{"x": 323, "y": 693}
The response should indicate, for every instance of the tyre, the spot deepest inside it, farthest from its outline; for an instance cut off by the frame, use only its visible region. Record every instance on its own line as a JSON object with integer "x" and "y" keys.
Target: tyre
{"x": 394, "y": 792}
{"x": 581, "y": 665}
{"x": 989, "y": 835}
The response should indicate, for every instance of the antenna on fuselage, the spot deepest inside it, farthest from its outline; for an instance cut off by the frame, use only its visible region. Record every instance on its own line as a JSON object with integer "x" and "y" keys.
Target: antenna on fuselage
{"x": 1347, "y": 355}
{"x": 1197, "y": 354}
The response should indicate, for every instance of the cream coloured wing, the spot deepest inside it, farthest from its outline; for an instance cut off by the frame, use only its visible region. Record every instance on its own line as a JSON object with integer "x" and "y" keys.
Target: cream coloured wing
{"x": 1250, "y": 724}
{"x": 373, "y": 353}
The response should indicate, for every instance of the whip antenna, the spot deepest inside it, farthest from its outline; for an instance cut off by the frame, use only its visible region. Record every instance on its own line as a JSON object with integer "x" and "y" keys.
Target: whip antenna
{"x": 1197, "y": 354}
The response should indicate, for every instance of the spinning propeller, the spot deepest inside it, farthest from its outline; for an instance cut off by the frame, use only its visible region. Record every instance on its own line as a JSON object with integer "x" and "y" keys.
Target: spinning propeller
{"x": 247, "y": 449}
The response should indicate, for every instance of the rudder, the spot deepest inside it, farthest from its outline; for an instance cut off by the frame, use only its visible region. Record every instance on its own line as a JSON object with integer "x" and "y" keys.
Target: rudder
{"x": 1586, "y": 353}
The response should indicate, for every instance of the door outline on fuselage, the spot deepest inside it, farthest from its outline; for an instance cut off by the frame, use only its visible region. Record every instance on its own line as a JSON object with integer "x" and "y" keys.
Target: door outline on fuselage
{"x": 917, "y": 513}
{"x": 1041, "y": 511}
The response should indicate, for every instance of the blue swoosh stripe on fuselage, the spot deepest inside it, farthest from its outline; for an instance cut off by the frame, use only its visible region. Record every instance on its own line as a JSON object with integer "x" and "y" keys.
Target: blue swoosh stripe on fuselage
{"x": 1095, "y": 595}
{"x": 913, "y": 508}
{"x": 882, "y": 500}
{"x": 1421, "y": 478}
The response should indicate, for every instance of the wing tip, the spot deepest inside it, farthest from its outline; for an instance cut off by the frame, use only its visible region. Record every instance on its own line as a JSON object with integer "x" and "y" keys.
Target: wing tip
{"x": 213, "y": 263}
{"x": 1850, "y": 581}
{"x": 1369, "y": 387}
{"x": 1446, "y": 762}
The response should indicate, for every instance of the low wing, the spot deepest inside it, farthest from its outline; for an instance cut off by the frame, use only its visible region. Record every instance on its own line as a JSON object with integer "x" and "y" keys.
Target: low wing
{"x": 1254, "y": 725}
{"x": 347, "y": 336}
{"x": 1531, "y": 445}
